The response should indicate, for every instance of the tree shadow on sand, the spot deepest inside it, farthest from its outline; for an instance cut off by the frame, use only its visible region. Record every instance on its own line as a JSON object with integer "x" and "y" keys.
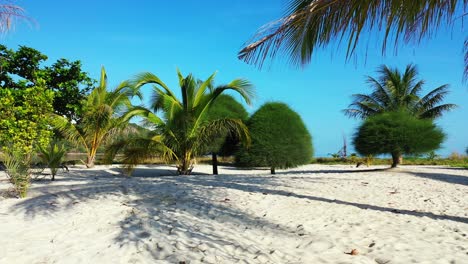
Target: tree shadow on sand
{"x": 183, "y": 217}
{"x": 159, "y": 212}
{"x": 243, "y": 186}
{"x": 443, "y": 177}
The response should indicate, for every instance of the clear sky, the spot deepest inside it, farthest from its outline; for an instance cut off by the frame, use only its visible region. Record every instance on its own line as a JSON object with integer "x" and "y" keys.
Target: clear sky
{"x": 203, "y": 36}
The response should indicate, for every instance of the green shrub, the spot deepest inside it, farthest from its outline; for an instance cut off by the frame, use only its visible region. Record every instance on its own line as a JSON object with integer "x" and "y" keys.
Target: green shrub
{"x": 397, "y": 133}
{"x": 279, "y": 139}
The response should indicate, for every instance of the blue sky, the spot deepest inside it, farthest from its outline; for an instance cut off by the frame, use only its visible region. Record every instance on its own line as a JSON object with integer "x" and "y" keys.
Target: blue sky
{"x": 200, "y": 37}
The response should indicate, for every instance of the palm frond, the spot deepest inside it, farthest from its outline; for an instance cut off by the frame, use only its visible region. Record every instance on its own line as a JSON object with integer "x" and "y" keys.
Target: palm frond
{"x": 213, "y": 129}
{"x": 312, "y": 24}
{"x": 68, "y": 130}
{"x": 201, "y": 89}
{"x": 465, "y": 49}
{"x": 8, "y": 13}
{"x": 437, "y": 111}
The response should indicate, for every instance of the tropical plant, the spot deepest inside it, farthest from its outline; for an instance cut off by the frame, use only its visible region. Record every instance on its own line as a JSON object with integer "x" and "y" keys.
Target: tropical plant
{"x": 397, "y": 133}
{"x": 100, "y": 120}
{"x": 53, "y": 156}
{"x": 279, "y": 139}
{"x": 226, "y": 143}
{"x": 17, "y": 169}
{"x": 312, "y": 24}
{"x": 183, "y": 132}
{"x": 395, "y": 91}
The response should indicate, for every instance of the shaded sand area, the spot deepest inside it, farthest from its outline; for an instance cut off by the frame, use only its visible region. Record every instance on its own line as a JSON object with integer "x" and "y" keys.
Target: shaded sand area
{"x": 313, "y": 214}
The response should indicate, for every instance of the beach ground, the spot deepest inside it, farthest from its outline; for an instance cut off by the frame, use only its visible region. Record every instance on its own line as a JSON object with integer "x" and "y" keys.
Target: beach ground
{"x": 311, "y": 214}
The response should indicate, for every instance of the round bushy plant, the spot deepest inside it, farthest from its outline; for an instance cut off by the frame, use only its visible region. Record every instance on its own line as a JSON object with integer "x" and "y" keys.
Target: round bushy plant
{"x": 226, "y": 106}
{"x": 226, "y": 143}
{"x": 279, "y": 139}
{"x": 397, "y": 133}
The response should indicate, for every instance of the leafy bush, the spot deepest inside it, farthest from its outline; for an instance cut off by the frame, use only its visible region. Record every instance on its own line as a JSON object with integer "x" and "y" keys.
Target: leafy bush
{"x": 397, "y": 133}
{"x": 279, "y": 139}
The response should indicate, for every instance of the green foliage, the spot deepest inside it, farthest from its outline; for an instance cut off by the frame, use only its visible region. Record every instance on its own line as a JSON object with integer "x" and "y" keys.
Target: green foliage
{"x": 100, "y": 122}
{"x": 24, "y": 118}
{"x": 396, "y": 91}
{"x": 53, "y": 156}
{"x": 17, "y": 169}
{"x": 225, "y": 106}
{"x": 24, "y": 68}
{"x": 279, "y": 139}
{"x": 183, "y": 132}
{"x": 432, "y": 155}
{"x": 397, "y": 133}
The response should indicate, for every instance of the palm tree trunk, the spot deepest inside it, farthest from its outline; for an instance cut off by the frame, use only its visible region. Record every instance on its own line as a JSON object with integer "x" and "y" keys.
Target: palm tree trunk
{"x": 214, "y": 159}
{"x": 90, "y": 160}
{"x": 185, "y": 167}
{"x": 395, "y": 159}
{"x": 272, "y": 170}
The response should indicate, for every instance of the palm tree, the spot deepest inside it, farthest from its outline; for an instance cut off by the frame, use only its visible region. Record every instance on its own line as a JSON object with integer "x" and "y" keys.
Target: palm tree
{"x": 8, "y": 12}
{"x": 312, "y": 24}
{"x": 183, "y": 131}
{"x": 99, "y": 122}
{"x": 394, "y": 91}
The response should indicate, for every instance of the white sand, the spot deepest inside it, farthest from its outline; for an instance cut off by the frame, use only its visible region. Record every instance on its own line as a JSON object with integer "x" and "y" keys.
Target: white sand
{"x": 313, "y": 214}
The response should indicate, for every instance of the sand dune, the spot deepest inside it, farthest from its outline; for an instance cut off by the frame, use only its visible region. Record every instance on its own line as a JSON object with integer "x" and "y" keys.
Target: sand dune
{"x": 312, "y": 214}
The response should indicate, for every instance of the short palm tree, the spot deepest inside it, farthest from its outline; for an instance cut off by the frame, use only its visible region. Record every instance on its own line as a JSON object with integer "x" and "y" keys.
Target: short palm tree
{"x": 53, "y": 156}
{"x": 100, "y": 120}
{"x": 312, "y": 24}
{"x": 183, "y": 131}
{"x": 395, "y": 91}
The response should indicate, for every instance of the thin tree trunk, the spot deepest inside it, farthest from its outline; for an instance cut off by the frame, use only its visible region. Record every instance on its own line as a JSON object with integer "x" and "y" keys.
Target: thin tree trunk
{"x": 90, "y": 161}
{"x": 184, "y": 167}
{"x": 215, "y": 163}
{"x": 272, "y": 170}
{"x": 395, "y": 159}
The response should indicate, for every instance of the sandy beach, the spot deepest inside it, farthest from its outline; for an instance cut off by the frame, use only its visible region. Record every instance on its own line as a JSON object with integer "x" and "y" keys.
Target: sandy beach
{"x": 312, "y": 214}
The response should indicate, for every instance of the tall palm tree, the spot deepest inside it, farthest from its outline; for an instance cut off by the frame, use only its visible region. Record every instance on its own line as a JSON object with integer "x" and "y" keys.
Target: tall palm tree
{"x": 100, "y": 119}
{"x": 183, "y": 131}
{"x": 8, "y": 12}
{"x": 312, "y": 24}
{"x": 395, "y": 91}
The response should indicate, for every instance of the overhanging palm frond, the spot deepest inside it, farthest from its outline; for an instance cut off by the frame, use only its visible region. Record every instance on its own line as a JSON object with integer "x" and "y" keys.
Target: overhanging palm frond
{"x": 8, "y": 13}
{"x": 465, "y": 49}
{"x": 311, "y": 24}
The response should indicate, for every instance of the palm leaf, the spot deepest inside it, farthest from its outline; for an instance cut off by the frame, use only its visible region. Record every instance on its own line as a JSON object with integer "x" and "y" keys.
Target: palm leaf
{"x": 312, "y": 24}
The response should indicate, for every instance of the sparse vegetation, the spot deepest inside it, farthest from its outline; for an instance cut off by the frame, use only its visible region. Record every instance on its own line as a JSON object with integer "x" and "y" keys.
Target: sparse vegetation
{"x": 17, "y": 170}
